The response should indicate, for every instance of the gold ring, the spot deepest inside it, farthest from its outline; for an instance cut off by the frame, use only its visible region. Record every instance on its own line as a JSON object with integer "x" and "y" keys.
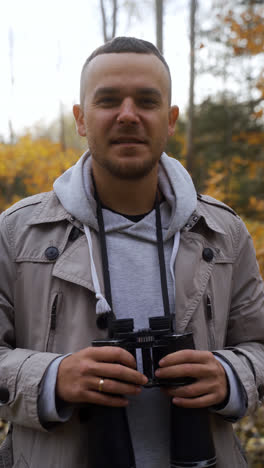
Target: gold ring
{"x": 100, "y": 386}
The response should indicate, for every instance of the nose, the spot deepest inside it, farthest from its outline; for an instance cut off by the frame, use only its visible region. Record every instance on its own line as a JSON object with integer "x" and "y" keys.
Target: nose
{"x": 128, "y": 112}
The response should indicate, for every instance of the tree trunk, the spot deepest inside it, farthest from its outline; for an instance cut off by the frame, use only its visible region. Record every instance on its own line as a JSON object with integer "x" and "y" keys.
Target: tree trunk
{"x": 190, "y": 123}
{"x": 62, "y": 128}
{"x": 159, "y": 25}
{"x": 105, "y": 20}
{"x": 12, "y": 82}
{"x": 114, "y": 17}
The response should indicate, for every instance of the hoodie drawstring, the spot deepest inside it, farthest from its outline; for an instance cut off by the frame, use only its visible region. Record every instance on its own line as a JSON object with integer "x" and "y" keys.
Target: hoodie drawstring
{"x": 102, "y": 305}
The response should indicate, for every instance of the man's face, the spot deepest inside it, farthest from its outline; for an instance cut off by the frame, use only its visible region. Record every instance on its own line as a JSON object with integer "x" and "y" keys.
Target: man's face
{"x": 125, "y": 114}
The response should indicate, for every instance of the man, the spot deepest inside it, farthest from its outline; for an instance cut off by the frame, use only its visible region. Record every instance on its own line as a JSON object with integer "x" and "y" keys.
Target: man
{"x": 89, "y": 252}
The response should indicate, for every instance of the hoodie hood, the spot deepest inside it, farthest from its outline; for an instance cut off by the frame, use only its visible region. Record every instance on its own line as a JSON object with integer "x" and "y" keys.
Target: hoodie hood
{"x": 74, "y": 189}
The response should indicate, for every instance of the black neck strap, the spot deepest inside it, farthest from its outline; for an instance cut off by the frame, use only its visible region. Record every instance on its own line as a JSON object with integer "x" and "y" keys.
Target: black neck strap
{"x": 162, "y": 265}
{"x": 105, "y": 321}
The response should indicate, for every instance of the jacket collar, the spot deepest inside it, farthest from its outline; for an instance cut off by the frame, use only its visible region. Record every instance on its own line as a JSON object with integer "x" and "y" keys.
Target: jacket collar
{"x": 211, "y": 220}
{"x": 50, "y": 210}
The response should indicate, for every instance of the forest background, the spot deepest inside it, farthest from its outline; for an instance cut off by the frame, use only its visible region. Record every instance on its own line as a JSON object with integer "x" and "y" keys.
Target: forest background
{"x": 219, "y": 139}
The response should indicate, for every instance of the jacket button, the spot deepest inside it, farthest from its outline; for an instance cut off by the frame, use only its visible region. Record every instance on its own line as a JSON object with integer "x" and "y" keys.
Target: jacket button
{"x": 4, "y": 395}
{"x": 208, "y": 254}
{"x": 51, "y": 253}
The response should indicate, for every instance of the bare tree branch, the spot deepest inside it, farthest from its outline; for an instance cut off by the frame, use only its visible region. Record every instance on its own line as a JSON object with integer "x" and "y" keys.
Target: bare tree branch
{"x": 103, "y": 20}
{"x": 12, "y": 80}
{"x": 114, "y": 18}
{"x": 190, "y": 123}
{"x": 109, "y": 22}
{"x": 159, "y": 25}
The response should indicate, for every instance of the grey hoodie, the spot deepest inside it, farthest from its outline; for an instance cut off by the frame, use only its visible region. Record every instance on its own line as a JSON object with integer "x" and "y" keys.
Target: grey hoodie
{"x": 135, "y": 279}
{"x": 174, "y": 182}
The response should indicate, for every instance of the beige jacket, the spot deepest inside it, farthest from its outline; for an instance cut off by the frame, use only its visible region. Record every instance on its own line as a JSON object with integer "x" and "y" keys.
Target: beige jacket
{"x": 47, "y": 308}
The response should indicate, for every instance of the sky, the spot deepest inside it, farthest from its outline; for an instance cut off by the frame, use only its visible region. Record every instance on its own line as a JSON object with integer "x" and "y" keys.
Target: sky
{"x": 51, "y": 41}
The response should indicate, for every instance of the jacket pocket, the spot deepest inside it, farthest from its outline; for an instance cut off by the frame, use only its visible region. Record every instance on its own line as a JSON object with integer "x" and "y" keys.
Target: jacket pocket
{"x": 53, "y": 321}
{"x": 209, "y": 318}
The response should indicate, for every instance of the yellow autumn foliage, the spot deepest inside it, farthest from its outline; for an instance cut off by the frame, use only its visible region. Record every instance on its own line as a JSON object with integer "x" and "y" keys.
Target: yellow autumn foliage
{"x": 256, "y": 230}
{"x": 247, "y": 31}
{"x": 252, "y": 138}
{"x": 31, "y": 166}
{"x": 219, "y": 177}
{"x": 247, "y": 39}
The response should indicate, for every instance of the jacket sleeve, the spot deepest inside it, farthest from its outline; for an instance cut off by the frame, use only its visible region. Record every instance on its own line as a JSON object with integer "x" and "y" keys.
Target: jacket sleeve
{"x": 245, "y": 333}
{"x": 21, "y": 370}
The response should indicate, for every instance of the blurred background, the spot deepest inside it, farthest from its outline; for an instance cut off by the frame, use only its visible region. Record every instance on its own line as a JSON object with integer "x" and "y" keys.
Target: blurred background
{"x": 215, "y": 50}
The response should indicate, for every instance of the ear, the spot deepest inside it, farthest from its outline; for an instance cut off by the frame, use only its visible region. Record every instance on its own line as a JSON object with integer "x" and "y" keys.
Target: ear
{"x": 173, "y": 117}
{"x": 79, "y": 119}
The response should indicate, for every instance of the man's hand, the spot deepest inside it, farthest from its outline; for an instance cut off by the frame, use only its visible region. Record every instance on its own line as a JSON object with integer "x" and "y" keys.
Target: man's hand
{"x": 79, "y": 376}
{"x": 210, "y": 387}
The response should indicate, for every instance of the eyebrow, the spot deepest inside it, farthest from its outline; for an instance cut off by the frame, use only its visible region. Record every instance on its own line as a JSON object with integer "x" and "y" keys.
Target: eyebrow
{"x": 140, "y": 91}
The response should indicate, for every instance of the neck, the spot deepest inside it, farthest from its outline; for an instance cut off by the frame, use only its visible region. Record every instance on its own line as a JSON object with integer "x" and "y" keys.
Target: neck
{"x": 131, "y": 197}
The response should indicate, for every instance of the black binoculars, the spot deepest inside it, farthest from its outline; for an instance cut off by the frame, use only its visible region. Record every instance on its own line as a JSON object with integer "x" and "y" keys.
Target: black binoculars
{"x": 191, "y": 443}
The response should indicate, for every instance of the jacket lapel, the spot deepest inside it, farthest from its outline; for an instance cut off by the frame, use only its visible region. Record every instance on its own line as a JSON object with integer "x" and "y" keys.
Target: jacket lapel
{"x": 74, "y": 264}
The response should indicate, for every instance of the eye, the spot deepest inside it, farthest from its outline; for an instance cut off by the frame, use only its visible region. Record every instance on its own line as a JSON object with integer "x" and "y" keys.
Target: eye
{"x": 107, "y": 101}
{"x": 148, "y": 102}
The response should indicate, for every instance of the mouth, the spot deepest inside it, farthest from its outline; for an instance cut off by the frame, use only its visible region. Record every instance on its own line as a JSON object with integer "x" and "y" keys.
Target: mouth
{"x": 128, "y": 141}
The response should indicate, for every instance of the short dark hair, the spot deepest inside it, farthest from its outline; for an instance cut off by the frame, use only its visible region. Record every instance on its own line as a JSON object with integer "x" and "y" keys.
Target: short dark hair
{"x": 125, "y": 44}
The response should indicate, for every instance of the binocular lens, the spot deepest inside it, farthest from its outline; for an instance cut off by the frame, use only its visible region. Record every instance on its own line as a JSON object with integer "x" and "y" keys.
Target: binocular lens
{"x": 191, "y": 438}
